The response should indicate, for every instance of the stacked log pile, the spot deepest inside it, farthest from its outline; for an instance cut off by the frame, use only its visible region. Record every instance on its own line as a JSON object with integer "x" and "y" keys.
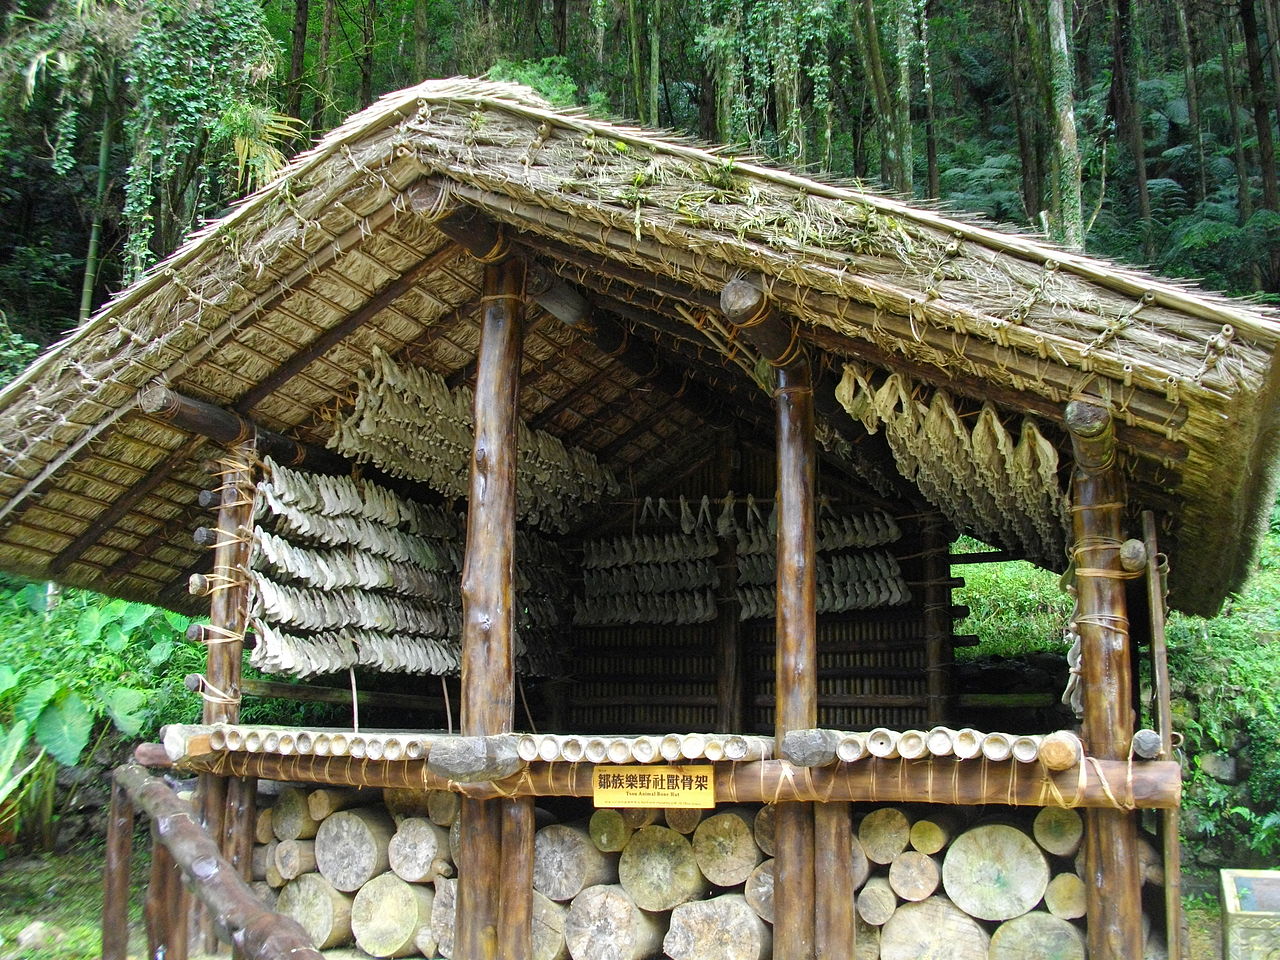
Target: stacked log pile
{"x": 377, "y": 871}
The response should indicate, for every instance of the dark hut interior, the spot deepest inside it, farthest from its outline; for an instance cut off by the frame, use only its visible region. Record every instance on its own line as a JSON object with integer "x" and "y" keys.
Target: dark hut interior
{"x": 685, "y": 440}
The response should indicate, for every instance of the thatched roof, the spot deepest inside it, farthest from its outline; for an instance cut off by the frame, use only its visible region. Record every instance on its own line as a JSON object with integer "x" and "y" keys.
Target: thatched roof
{"x": 649, "y": 229}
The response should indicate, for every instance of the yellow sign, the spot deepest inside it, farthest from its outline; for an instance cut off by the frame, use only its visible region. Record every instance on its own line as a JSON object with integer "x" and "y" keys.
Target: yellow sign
{"x": 655, "y": 786}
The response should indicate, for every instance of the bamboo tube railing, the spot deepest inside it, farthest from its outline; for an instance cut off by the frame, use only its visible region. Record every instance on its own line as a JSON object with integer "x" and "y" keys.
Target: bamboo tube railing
{"x": 1103, "y": 784}
{"x": 237, "y": 914}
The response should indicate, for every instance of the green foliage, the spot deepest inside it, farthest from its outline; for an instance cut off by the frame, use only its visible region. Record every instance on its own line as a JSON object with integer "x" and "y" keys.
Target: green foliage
{"x": 549, "y": 76}
{"x": 1014, "y": 607}
{"x": 15, "y": 352}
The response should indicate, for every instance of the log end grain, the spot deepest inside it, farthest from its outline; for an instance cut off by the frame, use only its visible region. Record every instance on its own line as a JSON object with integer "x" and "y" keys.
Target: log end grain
{"x": 659, "y": 870}
{"x": 933, "y": 929}
{"x": 995, "y": 872}
{"x": 388, "y": 914}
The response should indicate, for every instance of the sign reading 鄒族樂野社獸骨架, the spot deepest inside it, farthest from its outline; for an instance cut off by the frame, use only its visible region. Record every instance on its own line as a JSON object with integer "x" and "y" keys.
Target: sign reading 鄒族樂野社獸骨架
{"x": 654, "y": 787}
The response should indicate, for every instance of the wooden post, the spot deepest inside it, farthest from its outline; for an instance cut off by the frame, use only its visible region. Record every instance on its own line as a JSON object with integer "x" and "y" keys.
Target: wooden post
{"x": 115, "y": 876}
{"x": 834, "y": 926}
{"x": 220, "y": 806}
{"x": 937, "y": 619}
{"x": 488, "y": 673}
{"x": 797, "y": 654}
{"x": 1112, "y": 879}
{"x": 730, "y": 688}
{"x": 1169, "y": 827}
{"x": 515, "y": 937}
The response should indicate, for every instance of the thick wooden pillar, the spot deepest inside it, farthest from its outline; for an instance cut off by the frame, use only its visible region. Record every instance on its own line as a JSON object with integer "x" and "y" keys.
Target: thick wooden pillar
{"x": 1112, "y": 881}
{"x": 796, "y": 689}
{"x": 488, "y": 604}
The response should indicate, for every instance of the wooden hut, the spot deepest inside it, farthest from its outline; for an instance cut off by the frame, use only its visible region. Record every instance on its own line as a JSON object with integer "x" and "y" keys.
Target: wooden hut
{"x": 547, "y": 423}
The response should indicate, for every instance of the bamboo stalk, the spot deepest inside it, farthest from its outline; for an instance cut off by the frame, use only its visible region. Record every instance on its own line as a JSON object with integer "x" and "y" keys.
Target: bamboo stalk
{"x": 1154, "y": 784}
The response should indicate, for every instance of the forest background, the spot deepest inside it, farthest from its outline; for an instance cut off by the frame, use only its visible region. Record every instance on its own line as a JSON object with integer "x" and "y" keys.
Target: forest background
{"x": 1142, "y": 130}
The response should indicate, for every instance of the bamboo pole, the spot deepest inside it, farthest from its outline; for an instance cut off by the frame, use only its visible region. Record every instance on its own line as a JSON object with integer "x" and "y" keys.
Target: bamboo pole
{"x": 115, "y": 876}
{"x": 1112, "y": 881}
{"x": 261, "y": 934}
{"x": 488, "y": 674}
{"x": 1169, "y": 828}
{"x": 797, "y": 657}
{"x": 1152, "y": 784}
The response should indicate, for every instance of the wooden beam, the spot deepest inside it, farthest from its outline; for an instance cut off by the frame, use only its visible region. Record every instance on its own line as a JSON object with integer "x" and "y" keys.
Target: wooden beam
{"x": 1113, "y": 884}
{"x": 1154, "y": 784}
{"x": 488, "y": 599}
{"x": 228, "y": 429}
{"x": 937, "y": 616}
{"x": 796, "y": 633}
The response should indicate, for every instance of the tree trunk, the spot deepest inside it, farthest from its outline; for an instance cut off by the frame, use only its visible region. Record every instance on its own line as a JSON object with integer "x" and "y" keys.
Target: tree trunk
{"x": 322, "y": 110}
{"x": 368, "y": 26}
{"x": 1244, "y": 195}
{"x": 1123, "y": 108}
{"x": 419, "y": 851}
{"x": 684, "y": 819}
{"x": 866, "y": 32}
{"x": 637, "y": 69}
{"x": 322, "y": 910}
{"x": 995, "y": 872}
{"x": 1069, "y": 226}
{"x": 1024, "y": 118}
{"x": 655, "y": 62}
{"x": 1193, "y": 97}
{"x": 1037, "y": 936}
{"x": 1261, "y": 109}
{"x": 934, "y": 929}
{"x": 932, "y": 835}
{"x": 387, "y": 915}
{"x": 604, "y": 923}
{"x": 934, "y": 188}
{"x": 724, "y": 846}
{"x": 92, "y": 257}
{"x": 297, "y": 58}
{"x": 884, "y": 834}
{"x": 609, "y": 831}
{"x": 351, "y": 847}
{"x": 421, "y": 40}
{"x": 566, "y": 861}
{"x": 659, "y": 870}
{"x": 723, "y": 928}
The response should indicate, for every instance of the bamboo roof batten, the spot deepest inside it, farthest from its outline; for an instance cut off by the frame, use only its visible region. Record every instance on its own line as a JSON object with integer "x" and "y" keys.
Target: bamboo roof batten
{"x": 275, "y": 309}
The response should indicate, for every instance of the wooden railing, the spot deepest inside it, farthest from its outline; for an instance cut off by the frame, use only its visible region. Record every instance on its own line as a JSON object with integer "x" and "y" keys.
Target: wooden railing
{"x": 184, "y": 858}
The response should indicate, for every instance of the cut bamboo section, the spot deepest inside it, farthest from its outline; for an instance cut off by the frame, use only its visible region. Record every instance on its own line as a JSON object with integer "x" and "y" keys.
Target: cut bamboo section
{"x": 604, "y": 923}
{"x": 725, "y": 847}
{"x": 723, "y": 928}
{"x": 1061, "y": 750}
{"x": 995, "y": 872}
{"x": 388, "y": 914}
{"x": 882, "y": 743}
{"x": 322, "y": 910}
{"x": 1037, "y": 936}
{"x": 351, "y": 847}
{"x": 419, "y": 851}
{"x": 658, "y": 868}
{"x": 913, "y": 744}
{"x": 566, "y": 861}
{"x": 884, "y": 833}
{"x": 934, "y": 929}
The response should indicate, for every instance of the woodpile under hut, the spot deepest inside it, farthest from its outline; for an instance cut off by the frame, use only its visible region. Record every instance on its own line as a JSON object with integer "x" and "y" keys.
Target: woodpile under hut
{"x": 376, "y": 870}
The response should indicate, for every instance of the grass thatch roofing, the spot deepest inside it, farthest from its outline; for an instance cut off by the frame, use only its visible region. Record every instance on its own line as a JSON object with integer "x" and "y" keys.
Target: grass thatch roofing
{"x": 650, "y": 229}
